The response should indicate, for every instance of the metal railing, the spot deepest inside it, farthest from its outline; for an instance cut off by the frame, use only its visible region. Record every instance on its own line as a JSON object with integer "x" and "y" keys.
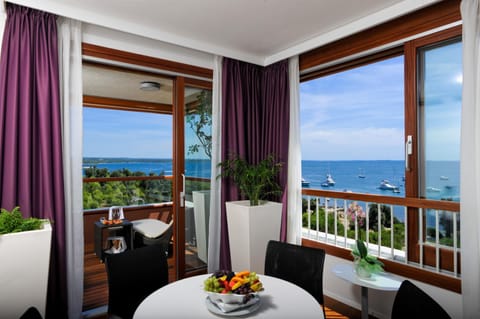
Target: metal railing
{"x": 340, "y": 218}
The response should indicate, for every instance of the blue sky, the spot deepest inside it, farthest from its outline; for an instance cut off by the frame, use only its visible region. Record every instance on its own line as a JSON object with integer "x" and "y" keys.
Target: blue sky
{"x": 108, "y": 133}
{"x": 359, "y": 114}
{"x": 353, "y": 115}
{"x": 356, "y": 114}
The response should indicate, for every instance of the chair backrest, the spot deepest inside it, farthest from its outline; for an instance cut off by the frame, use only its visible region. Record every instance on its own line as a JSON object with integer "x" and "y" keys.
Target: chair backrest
{"x": 300, "y": 265}
{"x": 132, "y": 276}
{"x": 412, "y": 302}
{"x": 31, "y": 313}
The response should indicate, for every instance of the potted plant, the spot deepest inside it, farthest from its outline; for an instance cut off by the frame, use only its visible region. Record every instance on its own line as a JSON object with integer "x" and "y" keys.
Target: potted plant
{"x": 25, "y": 251}
{"x": 365, "y": 264}
{"x": 256, "y": 182}
{"x": 252, "y": 222}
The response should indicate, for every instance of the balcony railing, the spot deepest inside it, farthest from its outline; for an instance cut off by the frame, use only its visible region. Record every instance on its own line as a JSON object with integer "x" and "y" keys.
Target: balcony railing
{"x": 416, "y": 232}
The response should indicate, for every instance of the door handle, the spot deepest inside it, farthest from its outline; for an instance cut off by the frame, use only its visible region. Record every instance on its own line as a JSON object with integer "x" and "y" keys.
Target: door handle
{"x": 182, "y": 193}
{"x": 408, "y": 152}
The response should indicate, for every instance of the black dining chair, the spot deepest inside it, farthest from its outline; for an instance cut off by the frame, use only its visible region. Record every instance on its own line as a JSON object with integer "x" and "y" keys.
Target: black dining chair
{"x": 299, "y": 265}
{"x": 31, "y": 313}
{"x": 132, "y": 276}
{"x": 412, "y": 302}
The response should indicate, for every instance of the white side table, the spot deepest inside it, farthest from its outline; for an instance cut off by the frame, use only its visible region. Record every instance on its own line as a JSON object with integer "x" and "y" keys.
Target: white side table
{"x": 384, "y": 281}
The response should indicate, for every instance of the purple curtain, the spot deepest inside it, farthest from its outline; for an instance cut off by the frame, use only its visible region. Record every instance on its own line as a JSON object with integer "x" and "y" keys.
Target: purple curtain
{"x": 276, "y": 125}
{"x": 255, "y": 123}
{"x": 31, "y": 171}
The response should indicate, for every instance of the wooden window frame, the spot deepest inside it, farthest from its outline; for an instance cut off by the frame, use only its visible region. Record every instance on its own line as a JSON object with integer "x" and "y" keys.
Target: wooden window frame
{"x": 184, "y": 74}
{"x": 411, "y": 128}
{"x": 437, "y": 16}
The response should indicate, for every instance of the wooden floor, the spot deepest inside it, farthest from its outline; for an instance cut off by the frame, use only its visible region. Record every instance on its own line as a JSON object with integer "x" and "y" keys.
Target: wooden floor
{"x": 96, "y": 292}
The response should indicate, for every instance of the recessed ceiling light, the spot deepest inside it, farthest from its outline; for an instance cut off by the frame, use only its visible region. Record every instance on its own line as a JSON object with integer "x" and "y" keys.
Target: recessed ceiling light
{"x": 149, "y": 86}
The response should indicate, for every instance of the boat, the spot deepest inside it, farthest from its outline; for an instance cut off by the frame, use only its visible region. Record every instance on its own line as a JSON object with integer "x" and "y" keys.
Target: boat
{"x": 328, "y": 181}
{"x": 433, "y": 189}
{"x": 305, "y": 183}
{"x": 385, "y": 185}
{"x": 361, "y": 174}
{"x": 444, "y": 178}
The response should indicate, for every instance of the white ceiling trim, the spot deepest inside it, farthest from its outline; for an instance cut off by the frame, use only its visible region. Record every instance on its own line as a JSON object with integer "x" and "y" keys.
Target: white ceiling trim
{"x": 125, "y": 26}
{"x": 364, "y": 23}
{"x": 94, "y": 18}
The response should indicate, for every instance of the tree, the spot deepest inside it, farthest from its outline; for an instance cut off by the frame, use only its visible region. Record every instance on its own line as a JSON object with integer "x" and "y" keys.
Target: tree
{"x": 385, "y": 213}
{"x": 200, "y": 121}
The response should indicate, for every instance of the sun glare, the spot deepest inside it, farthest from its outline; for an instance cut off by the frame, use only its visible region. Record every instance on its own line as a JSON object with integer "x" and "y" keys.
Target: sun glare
{"x": 459, "y": 79}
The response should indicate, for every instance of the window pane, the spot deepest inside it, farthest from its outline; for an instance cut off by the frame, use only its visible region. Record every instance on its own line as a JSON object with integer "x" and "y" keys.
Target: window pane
{"x": 122, "y": 143}
{"x": 440, "y": 83}
{"x": 440, "y": 77}
{"x": 352, "y": 127}
{"x": 198, "y": 150}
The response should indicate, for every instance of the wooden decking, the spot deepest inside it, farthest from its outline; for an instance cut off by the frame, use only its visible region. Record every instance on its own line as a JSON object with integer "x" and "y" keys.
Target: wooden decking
{"x": 96, "y": 292}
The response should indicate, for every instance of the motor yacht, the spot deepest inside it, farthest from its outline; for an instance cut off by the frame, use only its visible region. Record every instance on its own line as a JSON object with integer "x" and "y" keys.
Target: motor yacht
{"x": 385, "y": 185}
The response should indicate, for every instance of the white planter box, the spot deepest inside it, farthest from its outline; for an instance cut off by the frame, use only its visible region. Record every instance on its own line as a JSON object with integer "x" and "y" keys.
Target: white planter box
{"x": 249, "y": 230}
{"x": 24, "y": 266}
{"x": 201, "y": 206}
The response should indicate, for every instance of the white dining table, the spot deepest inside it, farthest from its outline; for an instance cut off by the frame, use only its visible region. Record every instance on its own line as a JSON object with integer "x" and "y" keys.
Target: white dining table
{"x": 186, "y": 299}
{"x": 383, "y": 281}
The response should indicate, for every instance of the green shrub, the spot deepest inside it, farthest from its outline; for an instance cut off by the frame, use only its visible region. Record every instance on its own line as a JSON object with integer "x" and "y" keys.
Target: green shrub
{"x": 321, "y": 222}
{"x": 13, "y": 222}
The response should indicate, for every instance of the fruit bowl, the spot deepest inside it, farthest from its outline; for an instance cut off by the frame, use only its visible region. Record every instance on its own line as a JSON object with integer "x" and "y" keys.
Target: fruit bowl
{"x": 232, "y": 288}
{"x": 230, "y": 298}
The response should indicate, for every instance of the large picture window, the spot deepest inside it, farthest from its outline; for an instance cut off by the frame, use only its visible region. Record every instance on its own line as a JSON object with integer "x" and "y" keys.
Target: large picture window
{"x": 380, "y": 153}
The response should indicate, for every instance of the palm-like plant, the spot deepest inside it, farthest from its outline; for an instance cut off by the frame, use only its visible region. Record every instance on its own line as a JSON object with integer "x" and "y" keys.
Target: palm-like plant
{"x": 256, "y": 182}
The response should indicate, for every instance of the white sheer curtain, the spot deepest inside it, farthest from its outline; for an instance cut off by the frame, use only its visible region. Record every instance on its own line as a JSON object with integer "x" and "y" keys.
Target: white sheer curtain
{"x": 294, "y": 226}
{"x": 70, "y": 56}
{"x": 470, "y": 160}
{"x": 215, "y": 185}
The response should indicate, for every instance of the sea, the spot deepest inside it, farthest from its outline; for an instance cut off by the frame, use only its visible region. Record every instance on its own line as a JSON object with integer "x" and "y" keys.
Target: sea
{"x": 442, "y": 178}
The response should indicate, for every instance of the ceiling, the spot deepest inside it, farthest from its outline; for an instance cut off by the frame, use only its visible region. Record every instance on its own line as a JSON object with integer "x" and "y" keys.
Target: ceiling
{"x": 104, "y": 81}
{"x": 256, "y": 31}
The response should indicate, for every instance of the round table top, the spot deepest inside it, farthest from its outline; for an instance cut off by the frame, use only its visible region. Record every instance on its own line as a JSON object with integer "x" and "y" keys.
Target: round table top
{"x": 186, "y": 298}
{"x": 382, "y": 281}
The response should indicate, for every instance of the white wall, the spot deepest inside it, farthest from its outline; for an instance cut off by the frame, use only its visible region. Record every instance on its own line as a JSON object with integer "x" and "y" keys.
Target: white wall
{"x": 94, "y": 34}
{"x": 380, "y": 302}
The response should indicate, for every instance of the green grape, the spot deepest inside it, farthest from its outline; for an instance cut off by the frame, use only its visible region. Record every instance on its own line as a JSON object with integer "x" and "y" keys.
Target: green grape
{"x": 210, "y": 284}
